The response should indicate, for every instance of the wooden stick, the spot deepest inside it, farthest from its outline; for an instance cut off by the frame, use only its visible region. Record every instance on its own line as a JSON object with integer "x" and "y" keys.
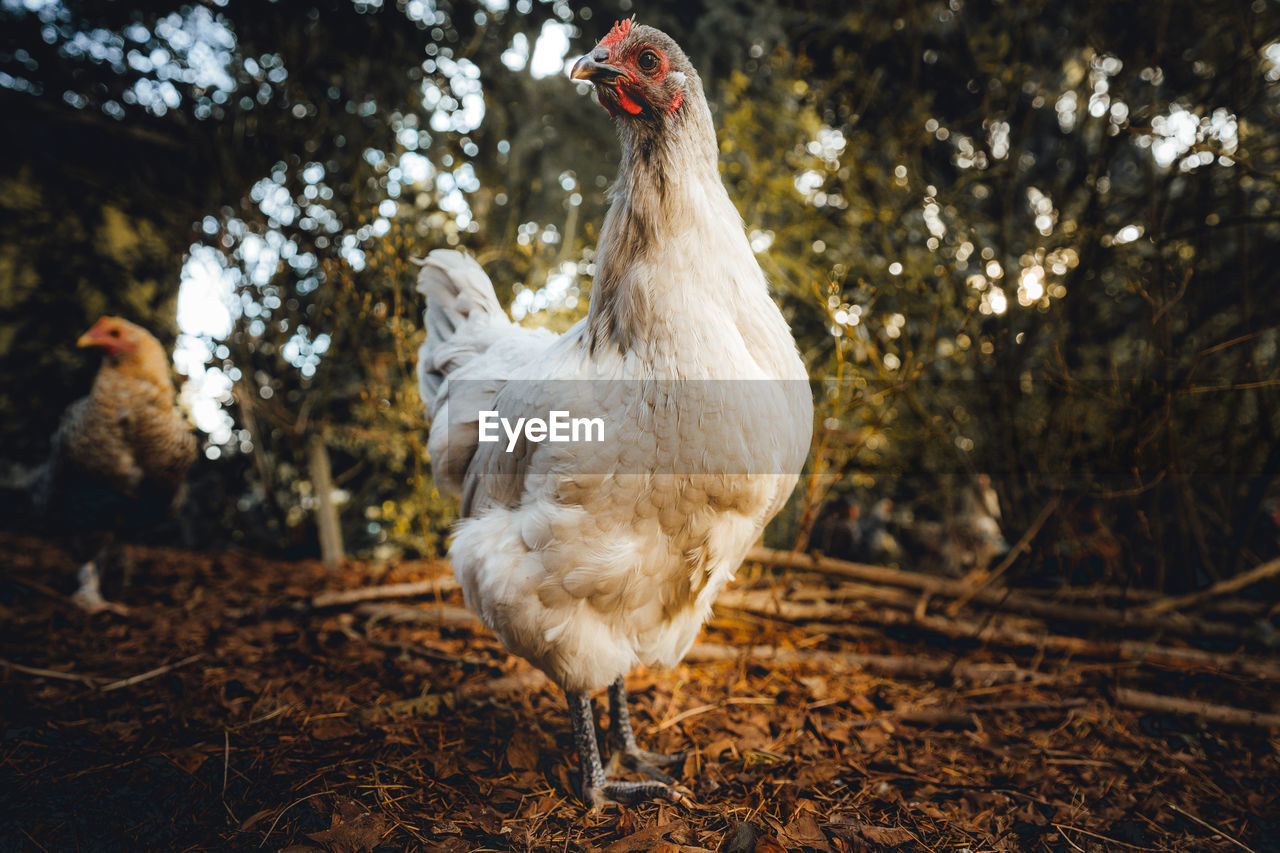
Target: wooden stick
{"x": 959, "y": 714}
{"x": 1001, "y": 600}
{"x": 647, "y": 839}
{"x": 835, "y": 602}
{"x": 829, "y": 617}
{"x": 1240, "y": 581}
{"x": 97, "y": 681}
{"x": 272, "y": 828}
{"x": 1062, "y": 826}
{"x": 1135, "y": 650}
{"x": 1192, "y": 707}
{"x": 151, "y": 673}
{"x": 430, "y": 615}
{"x": 790, "y": 611}
{"x": 706, "y": 709}
{"x": 883, "y": 664}
{"x": 1212, "y": 828}
{"x": 88, "y": 680}
{"x": 43, "y": 589}
{"x": 441, "y": 584}
{"x": 520, "y": 682}
{"x": 991, "y": 577}
{"x": 1126, "y": 597}
{"x": 1094, "y": 592}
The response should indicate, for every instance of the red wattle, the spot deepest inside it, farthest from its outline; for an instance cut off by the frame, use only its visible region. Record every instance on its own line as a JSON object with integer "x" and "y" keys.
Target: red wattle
{"x": 624, "y": 101}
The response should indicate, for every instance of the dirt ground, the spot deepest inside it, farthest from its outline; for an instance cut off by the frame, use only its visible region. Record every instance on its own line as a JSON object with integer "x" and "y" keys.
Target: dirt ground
{"x": 232, "y": 709}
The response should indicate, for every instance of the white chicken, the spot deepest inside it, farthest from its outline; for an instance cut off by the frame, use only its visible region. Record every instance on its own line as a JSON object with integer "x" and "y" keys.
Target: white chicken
{"x": 589, "y": 558}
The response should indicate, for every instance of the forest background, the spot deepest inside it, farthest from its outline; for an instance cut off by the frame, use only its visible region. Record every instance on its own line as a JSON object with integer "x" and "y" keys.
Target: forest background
{"x": 1031, "y": 240}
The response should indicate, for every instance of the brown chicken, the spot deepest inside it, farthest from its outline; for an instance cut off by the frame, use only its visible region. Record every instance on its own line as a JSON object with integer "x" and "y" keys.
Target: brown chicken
{"x": 119, "y": 455}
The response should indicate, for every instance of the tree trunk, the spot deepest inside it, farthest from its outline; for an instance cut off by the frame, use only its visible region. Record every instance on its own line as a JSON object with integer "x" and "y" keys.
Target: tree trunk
{"x": 326, "y": 511}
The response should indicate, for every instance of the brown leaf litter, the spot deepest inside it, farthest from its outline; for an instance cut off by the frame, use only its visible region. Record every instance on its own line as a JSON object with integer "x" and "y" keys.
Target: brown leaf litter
{"x": 230, "y": 712}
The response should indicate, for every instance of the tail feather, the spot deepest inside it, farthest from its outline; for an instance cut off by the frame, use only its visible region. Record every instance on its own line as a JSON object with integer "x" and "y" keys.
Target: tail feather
{"x": 462, "y": 313}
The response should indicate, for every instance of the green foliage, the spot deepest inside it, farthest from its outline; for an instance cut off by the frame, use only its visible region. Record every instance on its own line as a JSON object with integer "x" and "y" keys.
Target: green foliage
{"x": 1024, "y": 240}
{"x": 1030, "y": 277}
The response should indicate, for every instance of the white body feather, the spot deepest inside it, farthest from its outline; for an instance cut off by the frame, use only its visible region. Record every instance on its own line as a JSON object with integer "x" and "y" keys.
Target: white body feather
{"x": 590, "y": 559}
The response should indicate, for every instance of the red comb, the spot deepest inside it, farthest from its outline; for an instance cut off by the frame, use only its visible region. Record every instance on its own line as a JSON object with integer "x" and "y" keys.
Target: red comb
{"x": 618, "y": 33}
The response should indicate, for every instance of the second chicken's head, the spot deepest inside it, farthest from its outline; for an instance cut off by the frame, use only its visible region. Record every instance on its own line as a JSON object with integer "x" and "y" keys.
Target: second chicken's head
{"x": 115, "y": 336}
{"x": 130, "y": 350}
{"x": 638, "y": 72}
{"x": 122, "y": 341}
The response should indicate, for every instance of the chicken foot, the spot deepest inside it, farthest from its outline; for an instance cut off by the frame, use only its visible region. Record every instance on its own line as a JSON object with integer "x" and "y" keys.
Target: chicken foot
{"x": 624, "y": 752}
{"x": 596, "y": 788}
{"x": 89, "y": 596}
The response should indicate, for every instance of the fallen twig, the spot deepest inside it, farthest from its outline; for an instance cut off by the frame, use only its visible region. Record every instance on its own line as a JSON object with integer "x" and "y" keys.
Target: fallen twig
{"x": 43, "y": 589}
{"x": 1129, "y": 650}
{"x": 1193, "y": 707}
{"x": 1062, "y": 826}
{"x": 286, "y": 808}
{"x": 1239, "y": 582}
{"x": 706, "y": 709}
{"x": 151, "y": 673}
{"x": 884, "y": 664}
{"x": 1002, "y": 599}
{"x": 1212, "y": 828}
{"x": 991, "y": 577}
{"x": 902, "y": 611}
{"x": 531, "y": 679}
{"x": 650, "y": 838}
{"x": 88, "y": 680}
{"x": 436, "y": 614}
{"x": 408, "y": 648}
{"x": 933, "y": 716}
{"x": 98, "y": 682}
{"x": 337, "y": 598}
{"x": 790, "y": 611}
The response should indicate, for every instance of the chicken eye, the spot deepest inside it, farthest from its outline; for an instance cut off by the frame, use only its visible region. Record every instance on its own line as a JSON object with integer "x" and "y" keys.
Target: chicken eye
{"x": 115, "y": 333}
{"x": 647, "y": 61}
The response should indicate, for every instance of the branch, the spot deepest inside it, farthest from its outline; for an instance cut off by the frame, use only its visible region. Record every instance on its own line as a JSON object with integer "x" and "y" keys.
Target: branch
{"x": 1021, "y": 545}
{"x": 900, "y": 608}
{"x": 882, "y": 664}
{"x": 87, "y": 680}
{"x": 151, "y": 673}
{"x": 1239, "y": 582}
{"x": 1002, "y": 599}
{"x": 433, "y": 615}
{"x": 962, "y": 713}
{"x": 441, "y": 585}
{"x": 97, "y": 682}
{"x": 1195, "y": 708}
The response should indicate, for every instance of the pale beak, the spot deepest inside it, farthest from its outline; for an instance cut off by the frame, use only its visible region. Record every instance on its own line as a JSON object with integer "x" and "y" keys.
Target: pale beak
{"x": 592, "y": 68}
{"x": 91, "y": 338}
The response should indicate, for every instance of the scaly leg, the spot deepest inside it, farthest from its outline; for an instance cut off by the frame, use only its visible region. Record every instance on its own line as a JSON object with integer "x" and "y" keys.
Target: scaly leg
{"x": 597, "y": 789}
{"x": 622, "y": 740}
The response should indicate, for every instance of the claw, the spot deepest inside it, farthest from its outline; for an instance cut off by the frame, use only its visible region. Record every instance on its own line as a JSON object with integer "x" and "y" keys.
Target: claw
{"x": 642, "y": 761}
{"x": 597, "y": 788}
{"x": 622, "y": 741}
{"x": 628, "y": 793}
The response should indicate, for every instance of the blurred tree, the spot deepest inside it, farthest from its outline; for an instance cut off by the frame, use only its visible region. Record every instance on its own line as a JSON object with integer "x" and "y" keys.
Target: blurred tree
{"x": 1047, "y": 229}
{"x": 1024, "y": 240}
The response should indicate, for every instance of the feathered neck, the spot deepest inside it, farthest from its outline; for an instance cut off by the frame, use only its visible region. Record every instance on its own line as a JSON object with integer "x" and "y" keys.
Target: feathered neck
{"x": 146, "y": 364}
{"x": 668, "y": 187}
